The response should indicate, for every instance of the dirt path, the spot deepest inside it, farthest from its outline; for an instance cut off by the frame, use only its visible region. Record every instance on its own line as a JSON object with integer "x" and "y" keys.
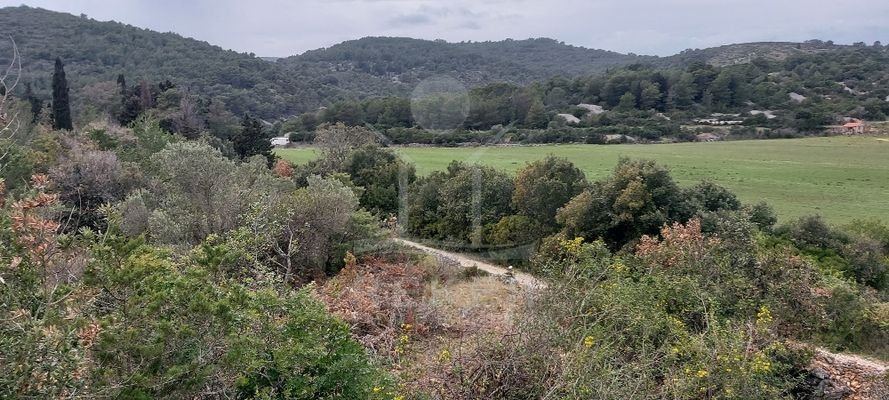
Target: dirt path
{"x": 522, "y": 278}
{"x": 849, "y": 376}
{"x": 877, "y": 367}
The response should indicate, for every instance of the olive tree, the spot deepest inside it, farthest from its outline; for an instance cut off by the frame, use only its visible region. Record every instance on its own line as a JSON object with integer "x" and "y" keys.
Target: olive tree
{"x": 195, "y": 191}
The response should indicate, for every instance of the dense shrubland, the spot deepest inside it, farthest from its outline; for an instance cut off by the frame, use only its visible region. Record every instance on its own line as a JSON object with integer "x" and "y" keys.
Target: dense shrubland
{"x": 99, "y": 314}
{"x": 683, "y": 314}
{"x": 136, "y": 263}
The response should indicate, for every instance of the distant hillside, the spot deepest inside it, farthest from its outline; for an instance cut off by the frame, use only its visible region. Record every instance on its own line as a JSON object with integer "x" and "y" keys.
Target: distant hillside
{"x": 550, "y": 57}
{"x": 406, "y": 60}
{"x": 743, "y": 53}
{"x": 96, "y": 52}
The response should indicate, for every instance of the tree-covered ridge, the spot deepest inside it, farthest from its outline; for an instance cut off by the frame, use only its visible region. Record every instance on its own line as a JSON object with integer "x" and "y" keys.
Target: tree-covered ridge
{"x": 95, "y": 53}
{"x": 801, "y": 94}
{"x": 407, "y": 60}
{"x": 741, "y": 53}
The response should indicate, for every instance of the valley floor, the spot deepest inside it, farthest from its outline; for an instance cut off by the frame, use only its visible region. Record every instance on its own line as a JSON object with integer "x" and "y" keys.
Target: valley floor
{"x": 840, "y": 178}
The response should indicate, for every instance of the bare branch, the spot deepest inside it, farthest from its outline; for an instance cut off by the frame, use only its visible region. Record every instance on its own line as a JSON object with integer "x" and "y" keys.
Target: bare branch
{"x": 9, "y": 124}
{"x": 13, "y": 72}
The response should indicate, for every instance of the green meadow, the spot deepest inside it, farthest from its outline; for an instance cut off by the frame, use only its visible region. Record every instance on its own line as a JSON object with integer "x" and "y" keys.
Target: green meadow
{"x": 840, "y": 178}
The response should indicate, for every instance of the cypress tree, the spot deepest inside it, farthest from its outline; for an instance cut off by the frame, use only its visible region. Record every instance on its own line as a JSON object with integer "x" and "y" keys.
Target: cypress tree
{"x": 61, "y": 107}
{"x": 122, "y": 84}
{"x": 36, "y": 104}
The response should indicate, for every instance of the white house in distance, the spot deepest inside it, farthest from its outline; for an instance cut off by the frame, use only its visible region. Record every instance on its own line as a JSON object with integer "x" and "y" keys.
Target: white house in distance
{"x": 280, "y": 141}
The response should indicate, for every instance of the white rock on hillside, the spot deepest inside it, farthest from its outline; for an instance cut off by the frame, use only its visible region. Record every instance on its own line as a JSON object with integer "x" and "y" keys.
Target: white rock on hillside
{"x": 592, "y": 108}
{"x": 768, "y": 113}
{"x": 569, "y": 118}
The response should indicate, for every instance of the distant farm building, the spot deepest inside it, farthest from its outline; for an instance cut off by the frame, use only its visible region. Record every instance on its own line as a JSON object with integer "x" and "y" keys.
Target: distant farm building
{"x": 280, "y": 141}
{"x": 717, "y": 121}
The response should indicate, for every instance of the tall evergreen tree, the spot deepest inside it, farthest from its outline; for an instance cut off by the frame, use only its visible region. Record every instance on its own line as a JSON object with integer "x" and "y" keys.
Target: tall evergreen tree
{"x": 36, "y": 104}
{"x": 627, "y": 102}
{"x": 536, "y": 118}
{"x": 122, "y": 84}
{"x": 61, "y": 107}
{"x": 130, "y": 104}
{"x": 252, "y": 140}
{"x": 145, "y": 95}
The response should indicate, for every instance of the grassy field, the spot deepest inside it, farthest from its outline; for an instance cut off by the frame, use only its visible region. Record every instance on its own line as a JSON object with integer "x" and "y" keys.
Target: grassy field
{"x": 840, "y": 178}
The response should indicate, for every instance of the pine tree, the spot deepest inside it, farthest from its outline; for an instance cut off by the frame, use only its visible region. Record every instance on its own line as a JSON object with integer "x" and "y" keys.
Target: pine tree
{"x": 252, "y": 140}
{"x": 651, "y": 97}
{"x": 627, "y": 102}
{"x": 61, "y": 107}
{"x": 536, "y": 118}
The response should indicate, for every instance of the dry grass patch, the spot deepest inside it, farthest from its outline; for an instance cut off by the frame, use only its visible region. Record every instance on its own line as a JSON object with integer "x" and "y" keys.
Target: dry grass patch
{"x": 432, "y": 322}
{"x": 484, "y": 304}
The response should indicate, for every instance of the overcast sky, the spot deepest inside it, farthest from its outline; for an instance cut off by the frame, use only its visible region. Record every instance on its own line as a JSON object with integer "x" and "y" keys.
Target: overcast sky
{"x": 656, "y": 27}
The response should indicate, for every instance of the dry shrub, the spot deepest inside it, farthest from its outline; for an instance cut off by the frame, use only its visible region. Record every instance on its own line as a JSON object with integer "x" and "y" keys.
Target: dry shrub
{"x": 442, "y": 269}
{"x": 480, "y": 305}
{"x": 445, "y": 333}
{"x": 283, "y": 169}
{"x": 86, "y": 179}
{"x": 36, "y": 232}
{"x": 381, "y": 301}
{"x": 679, "y": 244}
{"x": 485, "y": 354}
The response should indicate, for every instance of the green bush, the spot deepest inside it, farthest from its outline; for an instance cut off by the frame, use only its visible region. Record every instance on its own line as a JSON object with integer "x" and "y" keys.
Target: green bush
{"x": 649, "y": 330}
{"x": 143, "y": 325}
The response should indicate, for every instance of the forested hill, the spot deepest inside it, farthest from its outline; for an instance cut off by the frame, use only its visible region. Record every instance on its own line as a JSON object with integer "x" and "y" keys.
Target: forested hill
{"x": 96, "y": 52}
{"x": 742, "y": 53}
{"x": 406, "y": 60}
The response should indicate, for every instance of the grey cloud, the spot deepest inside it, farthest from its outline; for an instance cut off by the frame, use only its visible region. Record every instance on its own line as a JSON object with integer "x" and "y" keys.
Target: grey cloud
{"x": 410, "y": 19}
{"x": 435, "y": 15}
{"x": 471, "y": 25}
